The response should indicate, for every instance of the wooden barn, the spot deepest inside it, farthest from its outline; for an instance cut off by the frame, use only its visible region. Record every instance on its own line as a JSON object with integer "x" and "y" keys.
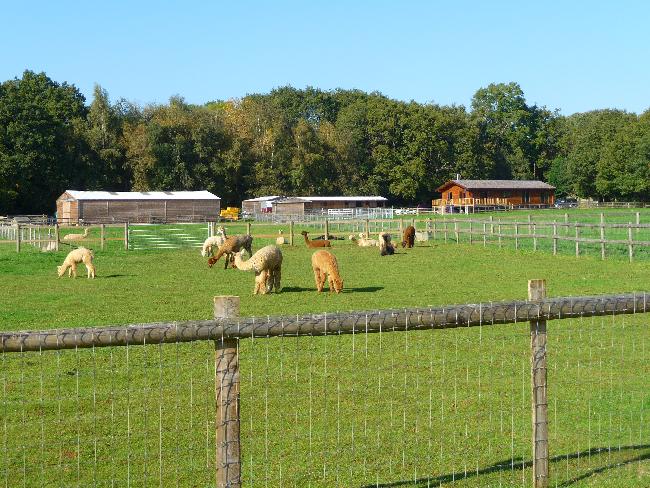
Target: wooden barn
{"x": 146, "y": 207}
{"x": 470, "y": 194}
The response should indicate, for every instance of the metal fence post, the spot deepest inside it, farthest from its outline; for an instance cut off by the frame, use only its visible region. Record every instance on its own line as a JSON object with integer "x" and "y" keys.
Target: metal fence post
{"x": 228, "y": 453}
{"x": 536, "y": 292}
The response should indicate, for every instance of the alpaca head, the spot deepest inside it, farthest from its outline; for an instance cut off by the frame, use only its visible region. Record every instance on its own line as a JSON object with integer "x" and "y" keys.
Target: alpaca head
{"x": 60, "y": 270}
{"x": 221, "y": 231}
{"x": 338, "y": 285}
{"x": 280, "y": 232}
{"x": 304, "y": 233}
{"x": 211, "y": 261}
{"x": 352, "y": 237}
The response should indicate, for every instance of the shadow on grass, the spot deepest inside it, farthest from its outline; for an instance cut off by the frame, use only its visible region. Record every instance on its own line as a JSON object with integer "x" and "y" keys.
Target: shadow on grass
{"x": 517, "y": 464}
{"x": 115, "y": 276}
{"x": 363, "y": 289}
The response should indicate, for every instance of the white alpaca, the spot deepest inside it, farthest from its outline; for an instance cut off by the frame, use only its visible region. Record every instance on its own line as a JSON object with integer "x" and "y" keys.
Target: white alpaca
{"x": 77, "y": 237}
{"x": 280, "y": 240}
{"x": 365, "y": 242}
{"x": 267, "y": 264}
{"x": 74, "y": 257}
{"x": 213, "y": 241}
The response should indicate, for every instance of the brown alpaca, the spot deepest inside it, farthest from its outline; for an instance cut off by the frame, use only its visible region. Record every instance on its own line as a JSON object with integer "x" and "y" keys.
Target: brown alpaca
{"x": 408, "y": 238}
{"x": 324, "y": 264}
{"x": 310, "y": 243}
{"x": 232, "y": 245}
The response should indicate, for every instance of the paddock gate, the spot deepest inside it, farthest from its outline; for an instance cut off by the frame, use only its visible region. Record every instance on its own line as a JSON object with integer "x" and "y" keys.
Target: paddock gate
{"x": 416, "y": 397}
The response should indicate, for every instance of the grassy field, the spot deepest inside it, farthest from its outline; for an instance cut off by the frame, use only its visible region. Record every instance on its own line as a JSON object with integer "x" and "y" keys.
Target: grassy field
{"x": 421, "y": 409}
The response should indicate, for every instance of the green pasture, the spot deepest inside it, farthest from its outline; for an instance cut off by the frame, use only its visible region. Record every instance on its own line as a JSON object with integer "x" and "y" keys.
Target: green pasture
{"x": 425, "y": 408}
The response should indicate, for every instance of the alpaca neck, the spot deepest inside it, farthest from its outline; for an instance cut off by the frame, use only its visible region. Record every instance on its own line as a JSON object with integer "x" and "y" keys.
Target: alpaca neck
{"x": 241, "y": 264}
{"x": 307, "y": 241}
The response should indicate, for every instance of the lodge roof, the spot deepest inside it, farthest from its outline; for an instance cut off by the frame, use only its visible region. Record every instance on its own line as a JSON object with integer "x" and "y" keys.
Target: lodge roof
{"x": 141, "y": 195}
{"x": 497, "y": 185}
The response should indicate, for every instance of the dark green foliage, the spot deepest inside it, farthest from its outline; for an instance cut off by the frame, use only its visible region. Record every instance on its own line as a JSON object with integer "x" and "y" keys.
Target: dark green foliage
{"x": 306, "y": 142}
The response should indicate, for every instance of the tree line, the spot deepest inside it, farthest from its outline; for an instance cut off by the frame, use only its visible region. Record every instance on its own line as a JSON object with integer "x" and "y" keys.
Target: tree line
{"x": 307, "y": 142}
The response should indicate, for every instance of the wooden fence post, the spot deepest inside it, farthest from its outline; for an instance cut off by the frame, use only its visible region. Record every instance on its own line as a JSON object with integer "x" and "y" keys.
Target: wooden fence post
{"x": 534, "y": 237}
{"x": 554, "y": 238}
{"x": 434, "y": 230}
{"x": 470, "y": 232}
{"x": 638, "y": 221}
{"x": 456, "y": 232}
{"x": 602, "y": 241}
{"x": 499, "y": 232}
{"x": 102, "y": 235}
{"x": 56, "y": 236}
{"x": 126, "y": 236}
{"x": 566, "y": 224}
{"x": 517, "y": 236}
{"x": 484, "y": 234}
{"x": 248, "y": 228}
{"x": 367, "y": 229}
{"x": 491, "y": 224}
{"x": 537, "y": 292}
{"x": 630, "y": 247}
{"x": 577, "y": 241}
{"x": 445, "y": 230}
{"x": 228, "y": 461}
{"x": 291, "y": 232}
{"x": 18, "y": 237}
{"x": 327, "y": 229}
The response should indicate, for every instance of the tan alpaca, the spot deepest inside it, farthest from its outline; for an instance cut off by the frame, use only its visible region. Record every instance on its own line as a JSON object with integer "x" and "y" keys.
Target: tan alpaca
{"x": 324, "y": 264}
{"x": 232, "y": 245}
{"x": 310, "y": 243}
{"x": 74, "y": 257}
{"x": 267, "y": 265}
{"x": 213, "y": 241}
{"x": 363, "y": 241}
{"x": 77, "y": 237}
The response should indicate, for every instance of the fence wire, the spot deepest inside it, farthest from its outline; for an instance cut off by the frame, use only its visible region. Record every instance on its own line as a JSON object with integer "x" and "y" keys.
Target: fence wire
{"x": 398, "y": 406}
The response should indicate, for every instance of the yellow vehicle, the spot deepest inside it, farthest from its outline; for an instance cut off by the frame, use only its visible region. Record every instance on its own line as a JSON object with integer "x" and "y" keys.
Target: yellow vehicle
{"x": 230, "y": 213}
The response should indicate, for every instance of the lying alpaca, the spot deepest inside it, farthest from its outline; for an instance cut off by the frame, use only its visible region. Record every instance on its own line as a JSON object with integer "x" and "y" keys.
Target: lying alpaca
{"x": 77, "y": 237}
{"x": 365, "y": 242}
{"x": 74, "y": 257}
{"x": 267, "y": 265}
{"x": 324, "y": 243}
{"x": 212, "y": 241}
{"x": 408, "y": 238}
{"x": 324, "y": 264}
{"x": 330, "y": 237}
{"x": 232, "y": 245}
{"x": 280, "y": 240}
{"x": 385, "y": 246}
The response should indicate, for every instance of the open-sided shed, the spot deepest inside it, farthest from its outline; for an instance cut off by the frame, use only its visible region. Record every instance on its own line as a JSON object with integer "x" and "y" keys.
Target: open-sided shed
{"x": 149, "y": 206}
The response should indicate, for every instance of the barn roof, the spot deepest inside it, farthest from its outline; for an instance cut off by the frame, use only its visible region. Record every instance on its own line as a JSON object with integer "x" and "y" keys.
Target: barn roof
{"x": 319, "y": 199}
{"x": 498, "y": 185}
{"x": 142, "y": 195}
{"x": 263, "y": 199}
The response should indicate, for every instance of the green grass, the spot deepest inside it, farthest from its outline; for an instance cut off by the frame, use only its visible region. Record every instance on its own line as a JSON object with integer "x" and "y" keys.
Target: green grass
{"x": 435, "y": 407}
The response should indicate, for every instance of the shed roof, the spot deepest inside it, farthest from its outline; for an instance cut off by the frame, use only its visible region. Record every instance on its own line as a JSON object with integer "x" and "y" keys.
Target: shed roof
{"x": 263, "y": 199}
{"x": 498, "y": 185}
{"x": 347, "y": 199}
{"x": 291, "y": 200}
{"x": 142, "y": 195}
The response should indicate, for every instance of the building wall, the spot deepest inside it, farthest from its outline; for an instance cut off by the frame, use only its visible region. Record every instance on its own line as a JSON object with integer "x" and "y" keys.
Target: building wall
{"x": 289, "y": 208}
{"x": 67, "y": 209}
{"x": 138, "y": 210}
{"x": 514, "y": 196}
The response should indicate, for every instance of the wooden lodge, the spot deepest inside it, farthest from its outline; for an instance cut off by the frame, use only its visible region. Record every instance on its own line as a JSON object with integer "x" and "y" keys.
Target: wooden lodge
{"x": 472, "y": 195}
{"x": 76, "y": 206}
{"x": 310, "y": 205}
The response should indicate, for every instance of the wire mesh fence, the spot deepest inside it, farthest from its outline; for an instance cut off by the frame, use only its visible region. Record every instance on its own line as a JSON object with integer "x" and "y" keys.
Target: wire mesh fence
{"x": 425, "y": 397}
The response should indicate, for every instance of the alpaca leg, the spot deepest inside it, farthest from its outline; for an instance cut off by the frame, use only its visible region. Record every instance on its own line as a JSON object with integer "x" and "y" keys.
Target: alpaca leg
{"x": 91, "y": 270}
{"x": 317, "y": 279}
{"x": 73, "y": 270}
{"x": 330, "y": 280}
{"x": 277, "y": 276}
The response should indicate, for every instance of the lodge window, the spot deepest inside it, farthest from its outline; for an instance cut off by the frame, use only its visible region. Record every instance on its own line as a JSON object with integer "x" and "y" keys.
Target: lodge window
{"x": 483, "y": 194}
{"x": 450, "y": 196}
{"x": 462, "y": 194}
{"x": 526, "y": 197}
{"x": 506, "y": 194}
{"x": 544, "y": 197}
{"x": 359, "y": 204}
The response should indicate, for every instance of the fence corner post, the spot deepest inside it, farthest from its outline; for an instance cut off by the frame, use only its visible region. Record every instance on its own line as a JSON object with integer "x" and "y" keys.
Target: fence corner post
{"x": 102, "y": 236}
{"x": 228, "y": 455}
{"x": 291, "y": 232}
{"x": 126, "y": 235}
{"x": 537, "y": 292}
{"x": 18, "y": 231}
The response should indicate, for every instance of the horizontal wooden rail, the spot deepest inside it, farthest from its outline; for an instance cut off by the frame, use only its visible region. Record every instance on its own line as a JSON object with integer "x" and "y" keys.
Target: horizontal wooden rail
{"x": 482, "y": 314}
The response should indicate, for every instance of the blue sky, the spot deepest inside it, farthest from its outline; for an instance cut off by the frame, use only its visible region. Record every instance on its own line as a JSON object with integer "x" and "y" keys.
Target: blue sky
{"x": 573, "y": 55}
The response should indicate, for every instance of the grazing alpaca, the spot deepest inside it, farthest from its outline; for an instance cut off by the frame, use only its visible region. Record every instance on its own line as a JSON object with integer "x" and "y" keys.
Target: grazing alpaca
{"x": 385, "y": 246}
{"x": 310, "y": 243}
{"x": 280, "y": 240}
{"x": 267, "y": 264}
{"x": 213, "y": 241}
{"x": 233, "y": 245}
{"x": 77, "y": 237}
{"x": 408, "y": 238}
{"x": 74, "y": 257}
{"x": 364, "y": 242}
{"x": 324, "y": 264}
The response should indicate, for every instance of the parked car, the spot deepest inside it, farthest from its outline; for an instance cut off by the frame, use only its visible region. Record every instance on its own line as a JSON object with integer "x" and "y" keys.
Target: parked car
{"x": 566, "y": 203}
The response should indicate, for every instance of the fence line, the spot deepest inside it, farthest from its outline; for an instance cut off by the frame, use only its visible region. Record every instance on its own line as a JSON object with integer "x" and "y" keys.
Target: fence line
{"x": 226, "y": 329}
